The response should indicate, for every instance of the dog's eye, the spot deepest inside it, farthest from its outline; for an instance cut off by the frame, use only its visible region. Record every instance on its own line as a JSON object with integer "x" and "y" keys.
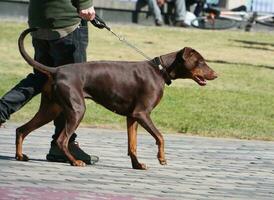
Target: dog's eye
{"x": 200, "y": 63}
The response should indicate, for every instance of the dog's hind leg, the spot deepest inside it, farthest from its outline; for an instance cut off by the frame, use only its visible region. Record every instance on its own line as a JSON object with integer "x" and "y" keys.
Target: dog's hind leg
{"x": 132, "y": 143}
{"x": 145, "y": 121}
{"x": 73, "y": 119}
{"x": 47, "y": 112}
{"x": 74, "y": 110}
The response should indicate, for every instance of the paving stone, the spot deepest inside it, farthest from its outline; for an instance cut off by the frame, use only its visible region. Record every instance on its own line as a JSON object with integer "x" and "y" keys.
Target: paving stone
{"x": 198, "y": 168}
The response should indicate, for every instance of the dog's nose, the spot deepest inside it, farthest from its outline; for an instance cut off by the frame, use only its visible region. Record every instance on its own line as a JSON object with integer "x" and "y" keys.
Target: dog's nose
{"x": 214, "y": 75}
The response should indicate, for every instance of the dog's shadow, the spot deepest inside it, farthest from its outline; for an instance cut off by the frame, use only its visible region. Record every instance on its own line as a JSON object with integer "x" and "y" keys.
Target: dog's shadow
{"x": 13, "y": 159}
{"x": 6, "y": 158}
{"x": 10, "y": 158}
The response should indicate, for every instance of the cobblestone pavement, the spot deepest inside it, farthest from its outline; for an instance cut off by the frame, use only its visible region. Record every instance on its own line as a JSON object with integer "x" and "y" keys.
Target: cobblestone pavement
{"x": 198, "y": 168}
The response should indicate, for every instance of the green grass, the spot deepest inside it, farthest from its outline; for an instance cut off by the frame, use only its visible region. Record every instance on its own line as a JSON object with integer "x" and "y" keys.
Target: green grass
{"x": 240, "y": 103}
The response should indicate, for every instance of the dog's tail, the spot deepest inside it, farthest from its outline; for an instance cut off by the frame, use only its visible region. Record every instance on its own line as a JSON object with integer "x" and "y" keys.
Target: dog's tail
{"x": 36, "y": 65}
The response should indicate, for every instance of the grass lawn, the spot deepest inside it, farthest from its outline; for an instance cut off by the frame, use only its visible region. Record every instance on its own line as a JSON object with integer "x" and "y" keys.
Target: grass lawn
{"x": 240, "y": 103}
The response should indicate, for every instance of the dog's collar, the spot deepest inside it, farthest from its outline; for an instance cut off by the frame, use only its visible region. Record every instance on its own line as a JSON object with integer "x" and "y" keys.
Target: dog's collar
{"x": 157, "y": 62}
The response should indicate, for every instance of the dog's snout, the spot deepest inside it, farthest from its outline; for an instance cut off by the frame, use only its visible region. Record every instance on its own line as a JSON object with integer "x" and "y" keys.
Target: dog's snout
{"x": 211, "y": 75}
{"x": 214, "y": 75}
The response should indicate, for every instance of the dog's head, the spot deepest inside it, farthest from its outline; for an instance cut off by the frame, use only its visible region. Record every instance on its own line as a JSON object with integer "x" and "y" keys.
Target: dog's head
{"x": 192, "y": 65}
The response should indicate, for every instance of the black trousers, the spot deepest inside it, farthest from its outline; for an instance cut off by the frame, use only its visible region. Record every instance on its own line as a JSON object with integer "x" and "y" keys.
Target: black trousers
{"x": 53, "y": 53}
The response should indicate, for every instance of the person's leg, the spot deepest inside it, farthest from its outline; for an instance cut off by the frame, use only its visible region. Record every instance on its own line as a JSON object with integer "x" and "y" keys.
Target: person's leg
{"x": 180, "y": 13}
{"x": 70, "y": 49}
{"x": 156, "y": 11}
{"x": 25, "y": 90}
{"x": 140, "y": 4}
{"x": 180, "y": 10}
{"x": 199, "y": 7}
{"x": 19, "y": 95}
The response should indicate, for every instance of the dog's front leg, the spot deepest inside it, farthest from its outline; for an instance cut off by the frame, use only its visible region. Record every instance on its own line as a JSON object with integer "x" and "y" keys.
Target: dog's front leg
{"x": 144, "y": 119}
{"x": 132, "y": 143}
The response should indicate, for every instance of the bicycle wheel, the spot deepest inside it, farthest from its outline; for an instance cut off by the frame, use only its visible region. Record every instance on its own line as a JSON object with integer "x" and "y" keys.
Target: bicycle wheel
{"x": 218, "y": 23}
{"x": 266, "y": 22}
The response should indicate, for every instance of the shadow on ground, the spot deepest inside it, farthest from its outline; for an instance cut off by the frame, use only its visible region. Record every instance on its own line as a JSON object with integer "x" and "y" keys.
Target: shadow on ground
{"x": 13, "y": 159}
{"x": 264, "y": 46}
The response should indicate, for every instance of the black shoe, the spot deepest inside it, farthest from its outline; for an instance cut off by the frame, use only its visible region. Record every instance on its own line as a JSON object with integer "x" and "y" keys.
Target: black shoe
{"x": 181, "y": 24}
{"x": 158, "y": 22}
{"x": 56, "y": 155}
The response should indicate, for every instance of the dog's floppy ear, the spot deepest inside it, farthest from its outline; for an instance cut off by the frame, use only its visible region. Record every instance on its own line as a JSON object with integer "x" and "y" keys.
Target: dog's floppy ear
{"x": 186, "y": 53}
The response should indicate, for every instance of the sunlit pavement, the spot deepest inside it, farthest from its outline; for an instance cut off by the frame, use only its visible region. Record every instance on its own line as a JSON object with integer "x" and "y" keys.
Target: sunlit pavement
{"x": 198, "y": 168}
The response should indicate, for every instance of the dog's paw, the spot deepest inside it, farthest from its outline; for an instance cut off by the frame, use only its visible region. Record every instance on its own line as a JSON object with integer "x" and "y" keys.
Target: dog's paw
{"x": 79, "y": 163}
{"x": 141, "y": 166}
{"x": 21, "y": 157}
{"x": 163, "y": 162}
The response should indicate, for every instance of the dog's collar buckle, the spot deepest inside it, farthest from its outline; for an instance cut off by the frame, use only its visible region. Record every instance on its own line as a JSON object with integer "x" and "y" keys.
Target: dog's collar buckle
{"x": 160, "y": 67}
{"x": 157, "y": 62}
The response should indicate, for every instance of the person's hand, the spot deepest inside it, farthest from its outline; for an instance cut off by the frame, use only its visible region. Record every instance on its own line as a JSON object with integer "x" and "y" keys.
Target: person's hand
{"x": 161, "y": 2}
{"x": 87, "y": 14}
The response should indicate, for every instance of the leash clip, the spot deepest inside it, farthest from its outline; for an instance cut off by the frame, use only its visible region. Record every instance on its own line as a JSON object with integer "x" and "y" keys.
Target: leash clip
{"x": 160, "y": 67}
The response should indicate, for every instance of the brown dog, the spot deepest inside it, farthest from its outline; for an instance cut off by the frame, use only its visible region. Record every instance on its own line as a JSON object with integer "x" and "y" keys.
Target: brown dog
{"x": 131, "y": 89}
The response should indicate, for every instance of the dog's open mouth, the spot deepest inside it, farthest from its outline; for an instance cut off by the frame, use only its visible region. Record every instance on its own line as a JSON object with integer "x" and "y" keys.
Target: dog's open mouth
{"x": 200, "y": 80}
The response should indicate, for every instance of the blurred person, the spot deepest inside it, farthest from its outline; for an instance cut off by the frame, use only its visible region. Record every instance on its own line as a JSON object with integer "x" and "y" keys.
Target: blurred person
{"x": 155, "y": 8}
{"x": 62, "y": 38}
{"x": 179, "y": 12}
{"x": 199, "y": 5}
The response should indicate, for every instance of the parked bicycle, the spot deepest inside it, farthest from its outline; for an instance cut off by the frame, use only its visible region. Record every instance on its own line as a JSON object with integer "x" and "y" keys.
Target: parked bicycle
{"x": 212, "y": 17}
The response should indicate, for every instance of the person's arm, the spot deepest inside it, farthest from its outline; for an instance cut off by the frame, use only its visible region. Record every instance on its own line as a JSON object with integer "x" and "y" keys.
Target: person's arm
{"x": 85, "y": 9}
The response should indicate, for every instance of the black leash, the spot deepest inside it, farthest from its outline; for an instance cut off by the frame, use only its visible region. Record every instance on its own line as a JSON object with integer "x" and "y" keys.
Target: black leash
{"x": 99, "y": 23}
